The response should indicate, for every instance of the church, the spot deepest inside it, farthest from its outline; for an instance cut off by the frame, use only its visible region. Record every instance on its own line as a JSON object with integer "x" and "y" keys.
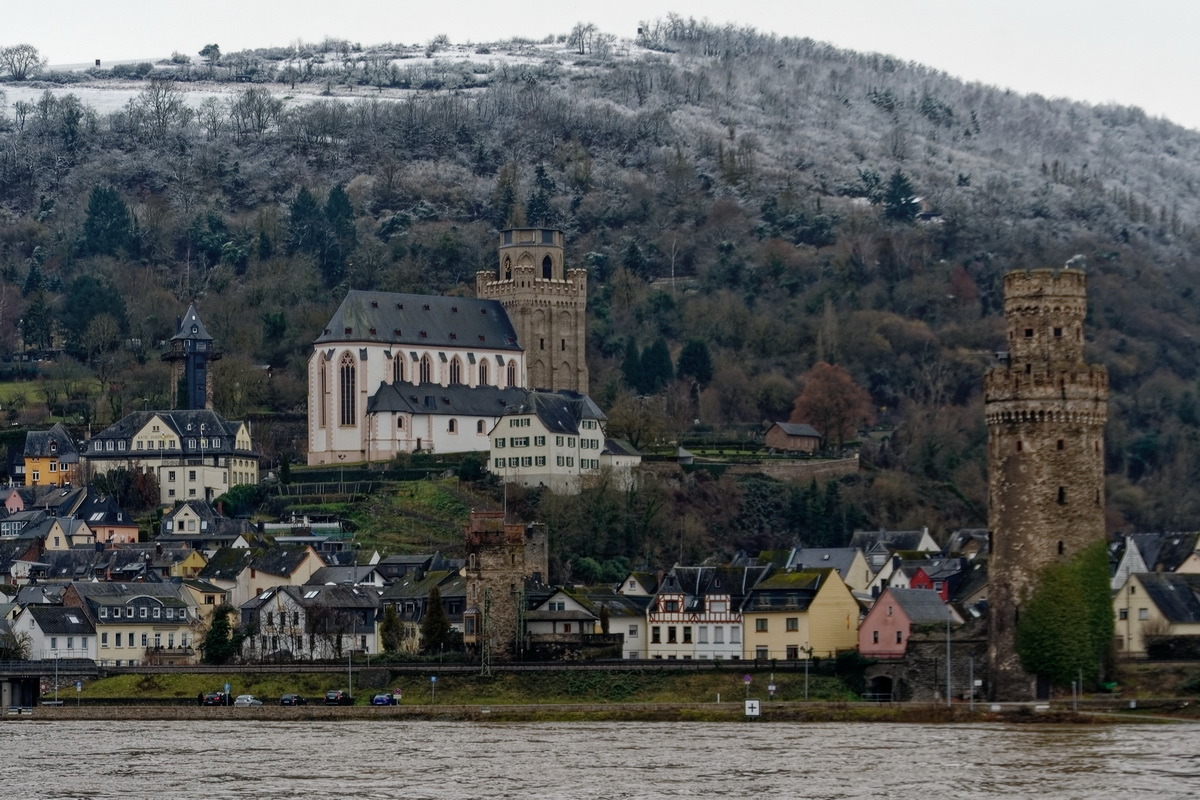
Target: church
{"x": 402, "y": 373}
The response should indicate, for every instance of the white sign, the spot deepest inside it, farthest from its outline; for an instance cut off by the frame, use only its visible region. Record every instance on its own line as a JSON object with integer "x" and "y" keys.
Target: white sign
{"x": 753, "y": 708}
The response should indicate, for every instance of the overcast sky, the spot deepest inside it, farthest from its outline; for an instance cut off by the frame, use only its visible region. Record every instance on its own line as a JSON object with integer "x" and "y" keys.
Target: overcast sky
{"x": 1099, "y": 51}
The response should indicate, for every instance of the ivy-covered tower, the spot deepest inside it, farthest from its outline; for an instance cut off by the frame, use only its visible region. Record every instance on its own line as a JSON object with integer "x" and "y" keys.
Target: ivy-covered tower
{"x": 1046, "y": 410}
{"x": 191, "y": 351}
{"x": 546, "y": 303}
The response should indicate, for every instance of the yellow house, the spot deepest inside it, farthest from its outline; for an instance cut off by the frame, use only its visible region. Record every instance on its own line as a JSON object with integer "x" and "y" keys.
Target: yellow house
{"x": 793, "y": 615}
{"x": 50, "y": 458}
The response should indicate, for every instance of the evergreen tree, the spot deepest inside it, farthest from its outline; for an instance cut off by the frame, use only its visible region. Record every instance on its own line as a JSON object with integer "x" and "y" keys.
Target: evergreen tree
{"x": 221, "y": 643}
{"x": 538, "y": 210}
{"x": 86, "y": 298}
{"x": 106, "y": 229}
{"x": 656, "y": 367}
{"x": 634, "y": 260}
{"x": 631, "y": 367}
{"x": 34, "y": 280}
{"x": 390, "y": 630}
{"x": 37, "y": 325}
{"x": 899, "y": 199}
{"x": 435, "y": 628}
{"x": 340, "y": 238}
{"x": 695, "y": 362}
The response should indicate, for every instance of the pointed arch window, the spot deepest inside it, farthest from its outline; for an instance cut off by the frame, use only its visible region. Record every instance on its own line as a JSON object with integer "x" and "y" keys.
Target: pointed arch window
{"x": 322, "y": 392}
{"x": 347, "y": 375}
{"x": 456, "y": 371}
{"x": 426, "y": 369}
{"x": 547, "y": 268}
{"x": 484, "y": 377}
{"x": 397, "y": 368}
{"x": 507, "y": 269}
{"x": 512, "y": 372}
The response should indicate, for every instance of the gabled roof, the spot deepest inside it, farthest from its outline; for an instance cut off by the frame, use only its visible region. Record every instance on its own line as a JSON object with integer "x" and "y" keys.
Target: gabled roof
{"x": 699, "y": 582}
{"x": 1176, "y": 594}
{"x": 561, "y": 411}
{"x": 342, "y": 575}
{"x": 226, "y": 564}
{"x": 61, "y": 620}
{"x": 54, "y": 442}
{"x": 1165, "y": 551}
{"x": 417, "y": 320}
{"x": 106, "y": 593}
{"x": 619, "y": 447}
{"x": 411, "y": 588}
{"x": 282, "y": 561}
{"x": 797, "y": 429}
{"x": 921, "y": 606}
{"x": 893, "y": 540}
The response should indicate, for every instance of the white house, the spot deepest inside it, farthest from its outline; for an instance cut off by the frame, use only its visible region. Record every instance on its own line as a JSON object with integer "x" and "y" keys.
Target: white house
{"x": 56, "y": 632}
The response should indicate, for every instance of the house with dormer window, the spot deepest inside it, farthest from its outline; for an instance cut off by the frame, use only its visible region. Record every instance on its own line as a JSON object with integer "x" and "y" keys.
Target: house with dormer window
{"x": 51, "y": 458}
{"x": 56, "y": 632}
{"x": 696, "y": 612}
{"x": 137, "y": 623}
{"x": 311, "y": 622}
{"x": 195, "y": 454}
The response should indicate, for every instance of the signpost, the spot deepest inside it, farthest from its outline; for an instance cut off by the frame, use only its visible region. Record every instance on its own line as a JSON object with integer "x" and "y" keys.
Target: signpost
{"x": 746, "y": 680}
{"x": 753, "y": 708}
{"x": 433, "y": 688}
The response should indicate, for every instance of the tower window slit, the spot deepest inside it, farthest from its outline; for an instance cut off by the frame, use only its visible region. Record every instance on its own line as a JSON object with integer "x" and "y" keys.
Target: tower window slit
{"x": 1062, "y": 495}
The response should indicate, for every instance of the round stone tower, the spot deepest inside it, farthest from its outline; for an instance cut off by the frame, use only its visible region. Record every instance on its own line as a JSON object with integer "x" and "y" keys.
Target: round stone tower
{"x": 1045, "y": 409}
{"x": 547, "y": 304}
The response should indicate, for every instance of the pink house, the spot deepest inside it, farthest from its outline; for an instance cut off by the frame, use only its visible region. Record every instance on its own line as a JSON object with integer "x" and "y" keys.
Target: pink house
{"x": 885, "y": 630}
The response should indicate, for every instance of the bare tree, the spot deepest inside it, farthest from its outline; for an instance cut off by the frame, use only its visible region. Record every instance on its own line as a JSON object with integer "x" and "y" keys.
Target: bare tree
{"x": 21, "y": 60}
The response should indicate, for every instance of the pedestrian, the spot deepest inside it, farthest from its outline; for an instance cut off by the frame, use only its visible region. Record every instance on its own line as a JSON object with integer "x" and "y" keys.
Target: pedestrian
{"x": 199, "y": 698}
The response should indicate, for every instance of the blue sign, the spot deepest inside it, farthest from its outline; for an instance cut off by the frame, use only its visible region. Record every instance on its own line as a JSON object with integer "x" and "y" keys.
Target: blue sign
{"x": 746, "y": 679}
{"x": 433, "y": 678}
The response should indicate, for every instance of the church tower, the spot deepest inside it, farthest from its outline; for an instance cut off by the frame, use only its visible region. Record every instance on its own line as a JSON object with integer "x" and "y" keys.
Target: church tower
{"x": 191, "y": 350}
{"x": 546, "y": 303}
{"x": 1045, "y": 409}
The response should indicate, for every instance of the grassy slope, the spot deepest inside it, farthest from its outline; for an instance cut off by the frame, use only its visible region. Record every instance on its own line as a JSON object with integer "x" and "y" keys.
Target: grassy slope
{"x": 416, "y": 516}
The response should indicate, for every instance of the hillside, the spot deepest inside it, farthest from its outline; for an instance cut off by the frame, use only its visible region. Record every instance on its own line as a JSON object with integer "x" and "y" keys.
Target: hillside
{"x": 780, "y": 200}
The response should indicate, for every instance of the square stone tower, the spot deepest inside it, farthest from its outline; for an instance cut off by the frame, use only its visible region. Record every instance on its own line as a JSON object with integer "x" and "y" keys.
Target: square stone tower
{"x": 1046, "y": 410}
{"x": 500, "y": 557}
{"x": 546, "y": 303}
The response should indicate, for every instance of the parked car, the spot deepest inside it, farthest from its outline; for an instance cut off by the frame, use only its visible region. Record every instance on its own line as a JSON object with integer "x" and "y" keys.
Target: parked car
{"x": 292, "y": 700}
{"x": 245, "y": 700}
{"x": 385, "y": 699}
{"x": 336, "y": 697}
{"x": 216, "y": 699}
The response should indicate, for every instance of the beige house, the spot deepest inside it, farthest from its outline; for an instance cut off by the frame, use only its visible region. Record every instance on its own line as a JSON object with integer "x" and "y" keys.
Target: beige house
{"x": 244, "y": 574}
{"x": 1155, "y": 604}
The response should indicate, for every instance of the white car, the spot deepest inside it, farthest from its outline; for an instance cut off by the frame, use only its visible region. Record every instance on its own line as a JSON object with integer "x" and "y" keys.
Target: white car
{"x": 244, "y": 700}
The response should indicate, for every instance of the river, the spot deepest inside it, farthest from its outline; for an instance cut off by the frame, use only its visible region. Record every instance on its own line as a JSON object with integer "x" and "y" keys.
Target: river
{"x": 214, "y": 760}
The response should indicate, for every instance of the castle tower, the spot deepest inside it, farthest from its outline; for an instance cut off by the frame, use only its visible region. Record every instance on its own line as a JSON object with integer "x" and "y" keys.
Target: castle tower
{"x": 500, "y": 556}
{"x": 547, "y": 304}
{"x": 191, "y": 350}
{"x": 1045, "y": 409}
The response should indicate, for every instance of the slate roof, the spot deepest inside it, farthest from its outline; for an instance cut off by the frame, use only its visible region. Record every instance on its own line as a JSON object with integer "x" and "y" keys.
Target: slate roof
{"x": 839, "y": 558}
{"x": 1177, "y": 595}
{"x": 185, "y": 423}
{"x": 619, "y": 447}
{"x": 696, "y": 583}
{"x": 1164, "y": 552}
{"x": 895, "y": 540}
{"x": 54, "y": 442}
{"x": 458, "y": 400}
{"x": 343, "y": 575}
{"x": 785, "y": 591}
{"x": 922, "y": 606}
{"x": 226, "y": 564}
{"x": 106, "y": 593}
{"x": 62, "y": 620}
{"x": 192, "y": 320}
{"x": 98, "y": 509}
{"x": 561, "y": 411}
{"x": 401, "y": 319}
{"x": 798, "y": 429}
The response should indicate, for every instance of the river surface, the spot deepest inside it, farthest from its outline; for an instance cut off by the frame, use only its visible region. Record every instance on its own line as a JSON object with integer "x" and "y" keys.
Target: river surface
{"x": 211, "y": 760}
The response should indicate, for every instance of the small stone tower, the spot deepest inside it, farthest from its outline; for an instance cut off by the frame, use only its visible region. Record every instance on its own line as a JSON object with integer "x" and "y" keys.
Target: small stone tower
{"x": 500, "y": 556}
{"x": 547, "y": 304}
{"x": 1045, "y": 411}
{"x": 191, "y": 350}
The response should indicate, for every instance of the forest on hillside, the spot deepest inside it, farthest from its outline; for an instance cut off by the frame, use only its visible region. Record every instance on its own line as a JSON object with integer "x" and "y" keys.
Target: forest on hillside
{"x": 777, "y": 201}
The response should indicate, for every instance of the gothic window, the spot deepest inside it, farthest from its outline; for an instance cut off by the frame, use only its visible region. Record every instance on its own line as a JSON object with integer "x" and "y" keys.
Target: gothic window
{"x": 507, "y": 269}
{"x": 547, "y": 268}
{"x": 322, "y": 389}
{"x": 397, "y": 368}
{"x": 479, "y": 427}
{"x": 512, "y": 372}
{"x": 346, "y": 370}
{"x": 455, "y": 372}
{"x": 426, "y": 369}
{"x": 484, "y": 378}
